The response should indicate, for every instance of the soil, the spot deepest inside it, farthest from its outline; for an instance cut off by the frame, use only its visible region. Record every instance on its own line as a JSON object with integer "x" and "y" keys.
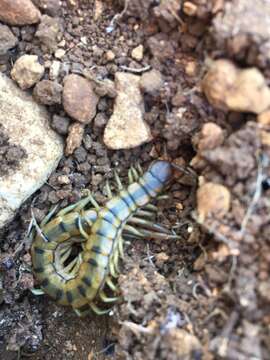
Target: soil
{"x": 204, "y": 297}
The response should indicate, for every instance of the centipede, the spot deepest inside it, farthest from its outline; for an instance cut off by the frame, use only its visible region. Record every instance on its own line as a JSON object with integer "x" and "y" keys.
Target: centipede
{"x": 87, "y": 278}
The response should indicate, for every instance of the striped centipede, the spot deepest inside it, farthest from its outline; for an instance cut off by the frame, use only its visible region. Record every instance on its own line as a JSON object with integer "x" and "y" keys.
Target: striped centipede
{"x": 82, "y": 281}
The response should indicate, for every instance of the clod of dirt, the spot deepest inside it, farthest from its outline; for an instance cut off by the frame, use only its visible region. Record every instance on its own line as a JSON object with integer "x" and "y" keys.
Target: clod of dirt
{"x": 126, "y": 128}
{"x": 243, "y": 28}
{"x": 74, "y": 139}
{"x": 230, "y": 88}
{"x": 179, "y": 344}
{"x": 210, "y": 137}
{"x": 19, "y": 12}
{"x": 60, "y": 124}
{"x": 50, "y": 7}
{"x": 48, "y": 33}
{"x": 137, "y": 53}
{"x": 212, "y": 200}
{"x": 48, "y": 92}
{"x": 151, "y": 82}
{"x": 7, "y": 40}
{"x": 27, "y": 71}
{"x": 264, "y": 118}
{"x": 79, "y": 99}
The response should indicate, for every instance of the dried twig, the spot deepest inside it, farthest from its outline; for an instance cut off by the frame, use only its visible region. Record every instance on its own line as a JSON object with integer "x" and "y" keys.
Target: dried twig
{"x": 134, "y": 70}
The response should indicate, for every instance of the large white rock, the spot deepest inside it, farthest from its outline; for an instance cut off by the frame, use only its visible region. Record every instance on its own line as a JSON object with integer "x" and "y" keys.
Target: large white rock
{"x": 26, "y": 124}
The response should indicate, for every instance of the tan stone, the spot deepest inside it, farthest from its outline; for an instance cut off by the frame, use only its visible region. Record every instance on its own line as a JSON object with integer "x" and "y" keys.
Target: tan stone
{"x": 27, "y": 71}
{"x": 230, "y": 88}
{"x": 212, "y": 200}
{"x": 126, "y": 128}
{"x": 74, "y": 139}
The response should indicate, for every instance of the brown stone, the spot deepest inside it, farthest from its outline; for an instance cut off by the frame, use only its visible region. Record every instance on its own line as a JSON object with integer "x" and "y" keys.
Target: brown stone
{"x": 19, "y": 12}
{"x": 79, "y": 99}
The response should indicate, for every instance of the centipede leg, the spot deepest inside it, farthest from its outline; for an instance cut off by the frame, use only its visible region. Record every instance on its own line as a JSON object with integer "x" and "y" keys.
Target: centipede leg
{"x": 135, "y": 173}
{"x": 110, "y": 284}
{"x": 106, "y": 298}
{"x": 97, "y": 310}
{"x": 120, "y": 247}
{"x": 48, "y": 216}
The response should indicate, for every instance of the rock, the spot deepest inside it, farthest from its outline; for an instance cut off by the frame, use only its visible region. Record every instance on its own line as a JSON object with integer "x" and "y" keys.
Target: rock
{"x": 243, "y": 25}
{"x": 60, "y": 53}
{"x": 105, "y": 87}
{"x": 137, "y": 53}
{"x": 26, "y": 124}
{"x": 19, "y": 12}
{"x": 264, "y": 118}
{"x": 212, "y": 200}
{"x": 60, "y": 124}
{"x": 230, "y": 88}
{"x": 183, "y": 345}
{"x": 74, "y": 139}
{"x": 126, "y": 128}
{"x": 210, "y": 137}
{"x": 47, "y": 32}
{"x": 54, "y": 70}
{"x": 7, "y": 40}
{"x": 79, "y": 99}
{"x": 110, "y": 55}
{"x": 48, "y": 92}
{"x": 50, "y": 7}
{"x": 151, "y": 82}
{"x": 27, "y": 71}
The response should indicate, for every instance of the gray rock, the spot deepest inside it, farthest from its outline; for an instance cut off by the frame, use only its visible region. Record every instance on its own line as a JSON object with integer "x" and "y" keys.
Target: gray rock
{"x": 26, "y": 124}
{"x": 7, "y": 39}
{"x": 48, "y": 33}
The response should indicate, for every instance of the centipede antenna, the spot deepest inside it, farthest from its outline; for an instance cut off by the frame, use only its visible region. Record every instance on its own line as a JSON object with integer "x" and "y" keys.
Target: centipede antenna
{"x": 108, "y": 190}
{"x": 118, "y": 181}
{"x": 107, "y": 299}
{"x": 187, "y": 171}
{"x": 98, "y": 311}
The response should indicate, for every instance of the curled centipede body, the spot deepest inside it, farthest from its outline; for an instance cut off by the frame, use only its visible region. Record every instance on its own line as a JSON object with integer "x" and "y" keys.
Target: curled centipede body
{"x": 100, "y": 232}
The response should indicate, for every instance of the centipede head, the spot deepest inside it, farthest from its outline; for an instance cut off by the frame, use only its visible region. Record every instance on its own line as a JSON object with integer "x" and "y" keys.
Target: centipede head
{"x": 162, "y": 170}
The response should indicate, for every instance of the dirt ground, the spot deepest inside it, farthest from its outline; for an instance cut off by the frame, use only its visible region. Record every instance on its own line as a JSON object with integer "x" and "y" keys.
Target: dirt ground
{"x": 206, "y": 296}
